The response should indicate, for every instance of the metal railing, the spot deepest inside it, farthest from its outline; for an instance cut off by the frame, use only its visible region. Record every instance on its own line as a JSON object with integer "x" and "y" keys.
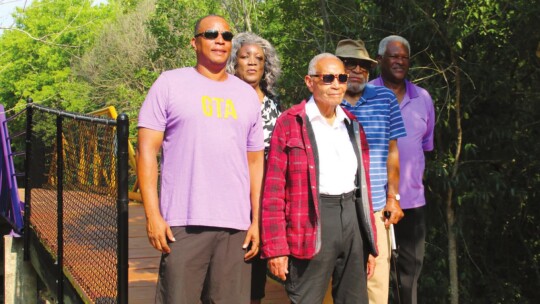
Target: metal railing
{"x": 10, "y": 204}
{"x": 76, "y": 179}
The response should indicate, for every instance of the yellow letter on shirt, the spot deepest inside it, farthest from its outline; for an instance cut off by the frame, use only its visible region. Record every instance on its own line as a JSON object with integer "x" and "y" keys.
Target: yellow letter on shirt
{"x": 229, "y": 109}
{"x": 207, "y": 106}
{"x": 218, "y": 101}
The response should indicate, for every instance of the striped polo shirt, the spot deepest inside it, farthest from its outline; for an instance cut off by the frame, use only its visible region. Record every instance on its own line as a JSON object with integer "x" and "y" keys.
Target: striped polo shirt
{"x": 378, "y": 112}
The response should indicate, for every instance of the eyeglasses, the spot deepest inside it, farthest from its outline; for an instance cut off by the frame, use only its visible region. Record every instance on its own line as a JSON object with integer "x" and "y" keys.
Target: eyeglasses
{"x": 329, "y": 78}
{"x": 351, "y": 64}
{"x": 396, "y": 57}
{"x": 213, "y": 34}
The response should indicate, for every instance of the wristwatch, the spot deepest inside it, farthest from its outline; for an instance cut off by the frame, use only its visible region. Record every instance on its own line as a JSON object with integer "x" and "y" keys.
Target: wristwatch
{"x": 397, "y": 197}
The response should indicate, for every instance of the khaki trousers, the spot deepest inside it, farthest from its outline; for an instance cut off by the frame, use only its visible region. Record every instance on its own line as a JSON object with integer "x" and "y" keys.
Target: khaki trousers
{"x": 379, "y": 284}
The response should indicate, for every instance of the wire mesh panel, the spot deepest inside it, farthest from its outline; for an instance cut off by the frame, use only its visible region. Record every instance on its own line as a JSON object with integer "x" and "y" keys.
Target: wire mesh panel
{"x": 89, "y": 194}
{"x": 43, "y": 217}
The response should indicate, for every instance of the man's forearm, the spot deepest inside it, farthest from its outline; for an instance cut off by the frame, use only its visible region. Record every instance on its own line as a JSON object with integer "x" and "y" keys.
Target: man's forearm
{"x": 147, "y": 175}
{"x": 392, "y": 167}
{"x": 392, "y": 201}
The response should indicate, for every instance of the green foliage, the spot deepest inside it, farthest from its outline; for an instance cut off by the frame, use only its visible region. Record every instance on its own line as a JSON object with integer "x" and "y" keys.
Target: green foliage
{"x": 481, "y": 52}
{"x": 37, "y": 53}
{"x": 118, "y": 67}
{"x": 298, "y": 37}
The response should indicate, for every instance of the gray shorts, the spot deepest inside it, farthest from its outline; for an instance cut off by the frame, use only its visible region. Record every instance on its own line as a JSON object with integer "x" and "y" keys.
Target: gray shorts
{"x": 205, "y": 264}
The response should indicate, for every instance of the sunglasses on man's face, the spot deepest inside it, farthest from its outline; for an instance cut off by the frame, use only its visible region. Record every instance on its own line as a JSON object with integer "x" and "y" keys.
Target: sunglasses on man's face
{"x": 351, "y": 64}
{"x": 213, "y": 34}
{"x": 329, "y": 78}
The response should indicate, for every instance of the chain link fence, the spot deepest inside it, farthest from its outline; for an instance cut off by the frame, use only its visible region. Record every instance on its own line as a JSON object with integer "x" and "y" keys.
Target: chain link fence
{"x": 74, "y": 204}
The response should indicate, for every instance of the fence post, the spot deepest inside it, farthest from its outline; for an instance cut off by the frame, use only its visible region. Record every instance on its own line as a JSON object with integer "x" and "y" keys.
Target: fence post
{"x": 60, "y": 208}
{"x": 122, "y": 132}
{"x": 27, "y": 185}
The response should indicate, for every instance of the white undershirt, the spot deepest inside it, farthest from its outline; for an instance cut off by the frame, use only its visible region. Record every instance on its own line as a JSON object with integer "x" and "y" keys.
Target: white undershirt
{"x": 337, "y": 160}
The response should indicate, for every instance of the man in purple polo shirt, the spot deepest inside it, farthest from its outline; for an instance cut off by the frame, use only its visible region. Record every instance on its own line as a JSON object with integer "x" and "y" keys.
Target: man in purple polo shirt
{"x": 419, "y": 117}
{"x": 376, "y": 108}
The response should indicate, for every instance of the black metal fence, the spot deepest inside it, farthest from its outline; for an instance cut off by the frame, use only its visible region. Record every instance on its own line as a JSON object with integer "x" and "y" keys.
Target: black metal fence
{"x": 76, "y": 208}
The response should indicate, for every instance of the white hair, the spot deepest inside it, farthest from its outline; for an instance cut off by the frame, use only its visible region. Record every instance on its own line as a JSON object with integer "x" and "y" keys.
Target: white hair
{"x": 312, "y": 68}
{"x": 384, "y": 43}
{"x": 272, "y": 65}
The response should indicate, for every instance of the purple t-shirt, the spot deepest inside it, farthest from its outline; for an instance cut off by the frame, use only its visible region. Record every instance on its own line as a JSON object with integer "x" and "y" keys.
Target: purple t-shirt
{"x": 418, "y": 115}
{"x": 209, "y": 126}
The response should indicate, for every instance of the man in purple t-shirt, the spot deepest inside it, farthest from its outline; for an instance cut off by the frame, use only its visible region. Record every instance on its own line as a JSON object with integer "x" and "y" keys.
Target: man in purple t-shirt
{"x": 419, "y": 117}
{"x": 206, "y": 218}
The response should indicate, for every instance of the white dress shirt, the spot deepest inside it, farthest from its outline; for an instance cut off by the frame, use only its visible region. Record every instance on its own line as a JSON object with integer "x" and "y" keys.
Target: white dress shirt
{"x": 337, "y": 160}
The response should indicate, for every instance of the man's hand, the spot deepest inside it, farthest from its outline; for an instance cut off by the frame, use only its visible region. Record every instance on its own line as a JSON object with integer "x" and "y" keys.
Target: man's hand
{"x": 252, "y": 237}
{"x": 158, "y": 232}
{"x": 278, "y": 266}
{"x": 370, "y": 267}
{"x": 396, "y": 214}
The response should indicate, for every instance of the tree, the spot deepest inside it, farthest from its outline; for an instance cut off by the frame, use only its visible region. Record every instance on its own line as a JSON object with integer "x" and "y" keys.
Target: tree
{"x": 38, "y": 51}
{"x": 298, "y": 37}
{"x": 461, "y": 45}
{"x": 118, "y": 67}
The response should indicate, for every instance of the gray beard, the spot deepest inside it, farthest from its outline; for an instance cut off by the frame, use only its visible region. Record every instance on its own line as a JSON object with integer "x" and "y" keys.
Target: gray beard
{"x": 355, "y": 88}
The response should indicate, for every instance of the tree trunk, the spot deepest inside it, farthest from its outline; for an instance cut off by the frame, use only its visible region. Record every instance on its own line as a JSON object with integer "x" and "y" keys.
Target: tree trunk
{"x": 326, "y": 21}
{"x": 452, "y": 249}
{"x": 247, "y": 5}
{"x": 450, "y": 213}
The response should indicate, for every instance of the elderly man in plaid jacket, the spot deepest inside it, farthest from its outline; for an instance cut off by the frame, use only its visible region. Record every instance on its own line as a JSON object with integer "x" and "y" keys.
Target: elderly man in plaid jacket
{"x": 317, "y": 217}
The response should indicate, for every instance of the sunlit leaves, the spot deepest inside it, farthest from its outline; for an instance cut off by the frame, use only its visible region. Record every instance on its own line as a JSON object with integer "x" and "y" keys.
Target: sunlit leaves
{"x": 39, "y": 51}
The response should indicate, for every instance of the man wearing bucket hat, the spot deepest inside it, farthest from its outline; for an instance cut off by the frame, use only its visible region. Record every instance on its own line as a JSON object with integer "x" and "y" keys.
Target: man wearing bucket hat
{"x": 377, "y": 109}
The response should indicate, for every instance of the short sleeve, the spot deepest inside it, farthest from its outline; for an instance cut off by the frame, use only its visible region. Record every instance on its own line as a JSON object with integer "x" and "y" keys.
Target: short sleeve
{"x": 153, "y": 113}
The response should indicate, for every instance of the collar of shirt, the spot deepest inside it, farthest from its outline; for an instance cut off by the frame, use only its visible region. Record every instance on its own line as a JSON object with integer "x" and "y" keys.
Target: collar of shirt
{"x": 313, "y": 113}
{"x": 410, "y": 90}
{"x": 410, "y": 94}
{"x": 369, "y": 92}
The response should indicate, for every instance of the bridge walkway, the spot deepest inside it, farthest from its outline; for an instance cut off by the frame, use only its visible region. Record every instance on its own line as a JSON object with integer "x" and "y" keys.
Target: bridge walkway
{"x": 144, "y": 264}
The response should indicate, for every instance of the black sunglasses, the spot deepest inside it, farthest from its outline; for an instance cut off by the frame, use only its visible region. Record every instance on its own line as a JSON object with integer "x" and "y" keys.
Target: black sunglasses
{"x": 329, "y": 78}
{"x": 351, "y": 64}
{"x": 213, "y": 34}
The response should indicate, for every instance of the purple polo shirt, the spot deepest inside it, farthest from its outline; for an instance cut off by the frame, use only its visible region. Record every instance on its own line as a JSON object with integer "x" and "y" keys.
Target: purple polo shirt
{"x": 418, "y": 115}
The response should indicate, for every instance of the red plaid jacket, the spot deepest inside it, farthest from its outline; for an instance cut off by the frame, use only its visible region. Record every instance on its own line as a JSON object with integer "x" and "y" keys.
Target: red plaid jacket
{"x": 290, "y": 212}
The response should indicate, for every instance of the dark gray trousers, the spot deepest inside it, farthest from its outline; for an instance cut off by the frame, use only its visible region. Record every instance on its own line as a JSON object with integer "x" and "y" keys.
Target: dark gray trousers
{"x": 206, "y": 264}
{"x": 340, "y": 258}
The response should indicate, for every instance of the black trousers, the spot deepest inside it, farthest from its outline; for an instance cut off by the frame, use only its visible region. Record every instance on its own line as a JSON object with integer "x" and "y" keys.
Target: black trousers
{"x": 410, "y": 239}
{"x": 258, "y": 278}
{"x": 340, "y": 258}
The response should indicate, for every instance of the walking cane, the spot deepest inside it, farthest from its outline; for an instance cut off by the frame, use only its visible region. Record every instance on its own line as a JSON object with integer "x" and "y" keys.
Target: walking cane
{"x": 394, "y": 260}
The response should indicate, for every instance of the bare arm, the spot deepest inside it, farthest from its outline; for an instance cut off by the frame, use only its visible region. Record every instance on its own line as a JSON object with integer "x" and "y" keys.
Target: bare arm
{"x": 392, "y": 166}
{"x": 256, "y": 169}
{"x": 149, "y": 143}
